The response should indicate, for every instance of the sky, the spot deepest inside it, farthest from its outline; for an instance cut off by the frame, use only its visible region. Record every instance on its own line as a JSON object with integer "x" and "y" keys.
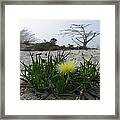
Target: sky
{"x": 47, "y": 29}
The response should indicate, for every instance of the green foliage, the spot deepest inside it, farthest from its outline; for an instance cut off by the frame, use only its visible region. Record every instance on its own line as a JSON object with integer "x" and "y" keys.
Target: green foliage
{"x": 43, "y": 75}
{"x": 87, "y": 75}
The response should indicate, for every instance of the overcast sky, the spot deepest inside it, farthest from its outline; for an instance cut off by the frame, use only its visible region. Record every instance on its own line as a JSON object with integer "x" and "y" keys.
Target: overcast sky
{"x": 47, "y": 29}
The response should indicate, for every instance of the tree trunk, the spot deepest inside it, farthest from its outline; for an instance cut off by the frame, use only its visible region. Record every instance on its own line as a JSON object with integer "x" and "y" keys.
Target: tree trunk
{"x": 85, "y": 45}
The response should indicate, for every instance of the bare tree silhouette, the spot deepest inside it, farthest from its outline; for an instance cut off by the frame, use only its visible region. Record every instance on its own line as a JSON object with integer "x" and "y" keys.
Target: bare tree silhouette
{"x": 79, "y": 34}
{"x": 27, "y": 36}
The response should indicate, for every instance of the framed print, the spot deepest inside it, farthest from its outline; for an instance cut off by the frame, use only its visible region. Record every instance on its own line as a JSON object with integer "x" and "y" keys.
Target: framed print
{"x": 59, "y": 59}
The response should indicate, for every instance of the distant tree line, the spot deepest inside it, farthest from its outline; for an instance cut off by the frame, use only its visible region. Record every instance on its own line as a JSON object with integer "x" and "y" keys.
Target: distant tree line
{"x": 45, "y": 46}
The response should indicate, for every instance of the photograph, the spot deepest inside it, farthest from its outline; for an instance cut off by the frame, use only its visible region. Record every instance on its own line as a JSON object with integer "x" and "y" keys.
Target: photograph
{"x": 57, "y": 56}
{"x": 59, "y": 59}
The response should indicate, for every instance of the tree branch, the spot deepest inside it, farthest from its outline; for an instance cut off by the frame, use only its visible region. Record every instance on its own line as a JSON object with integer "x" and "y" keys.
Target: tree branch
{"x": 94, "y": 35}
{"x": 88, "y": 34}
{"x": 79, "y": 40}
{"x": 76, "y": 42}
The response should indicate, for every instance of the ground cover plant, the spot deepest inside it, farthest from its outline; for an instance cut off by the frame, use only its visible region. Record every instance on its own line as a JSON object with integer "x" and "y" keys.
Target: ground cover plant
{"x": 61, "y": 77}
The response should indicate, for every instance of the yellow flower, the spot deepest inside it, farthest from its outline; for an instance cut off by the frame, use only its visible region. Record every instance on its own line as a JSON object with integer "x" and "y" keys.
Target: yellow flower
{"x": 66, "y": 67}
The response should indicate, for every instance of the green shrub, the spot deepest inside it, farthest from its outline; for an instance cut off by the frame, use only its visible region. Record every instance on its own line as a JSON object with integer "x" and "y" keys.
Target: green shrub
{"x": 86, "y": 76}
{"x": 43, "y": 75}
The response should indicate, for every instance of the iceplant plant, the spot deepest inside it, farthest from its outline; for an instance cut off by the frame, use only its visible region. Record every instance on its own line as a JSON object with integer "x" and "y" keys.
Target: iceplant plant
{"x": 66, "y": 67}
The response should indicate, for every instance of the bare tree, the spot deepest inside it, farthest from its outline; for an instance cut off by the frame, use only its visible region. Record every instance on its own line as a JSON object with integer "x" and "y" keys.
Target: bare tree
{"x": 80, "y": 34}
{"x": 27, "y": 36}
